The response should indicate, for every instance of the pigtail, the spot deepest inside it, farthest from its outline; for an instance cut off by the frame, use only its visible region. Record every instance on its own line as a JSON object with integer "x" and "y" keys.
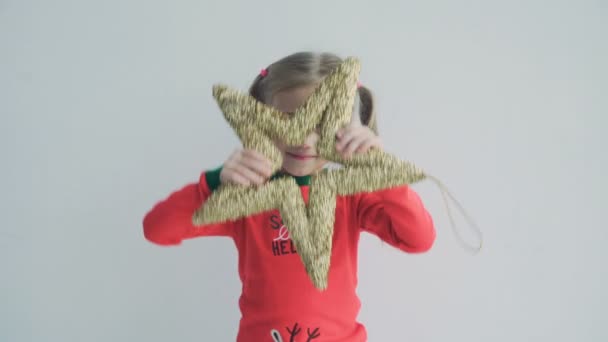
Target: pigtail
{"x": 366, "y": 109}
{"x": 256, "y": 90}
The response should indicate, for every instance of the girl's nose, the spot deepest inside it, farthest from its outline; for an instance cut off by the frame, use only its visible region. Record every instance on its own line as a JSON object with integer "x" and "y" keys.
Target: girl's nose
{"x": 311, "y": 140}
{"x": 308, "y": 144}
{"x": 304, "y": 146}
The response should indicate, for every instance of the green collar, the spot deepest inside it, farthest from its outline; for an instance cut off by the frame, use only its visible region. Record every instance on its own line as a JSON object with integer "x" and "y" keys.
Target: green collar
{"x": 213, "y": 178}
{"x": 300, "y": 180}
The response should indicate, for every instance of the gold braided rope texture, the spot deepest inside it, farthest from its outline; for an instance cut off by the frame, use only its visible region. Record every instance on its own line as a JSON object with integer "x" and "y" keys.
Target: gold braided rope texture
{"x": 310, "y": 227}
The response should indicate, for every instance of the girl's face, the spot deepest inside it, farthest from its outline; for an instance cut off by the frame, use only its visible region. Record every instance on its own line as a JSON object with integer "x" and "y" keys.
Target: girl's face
{"x": 304, "y": 159}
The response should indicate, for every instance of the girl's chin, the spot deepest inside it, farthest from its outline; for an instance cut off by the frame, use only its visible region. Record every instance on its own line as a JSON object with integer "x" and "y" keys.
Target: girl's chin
{"x": 297, "y": 173}
{"x": 302, "y": 171}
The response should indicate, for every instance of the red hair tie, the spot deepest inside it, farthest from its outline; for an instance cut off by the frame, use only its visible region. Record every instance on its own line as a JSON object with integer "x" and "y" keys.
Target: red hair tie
{"x": 264, "y": 72}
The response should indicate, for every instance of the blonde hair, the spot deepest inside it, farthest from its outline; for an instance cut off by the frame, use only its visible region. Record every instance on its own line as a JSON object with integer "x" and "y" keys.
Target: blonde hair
{"x": 306, "y": 68}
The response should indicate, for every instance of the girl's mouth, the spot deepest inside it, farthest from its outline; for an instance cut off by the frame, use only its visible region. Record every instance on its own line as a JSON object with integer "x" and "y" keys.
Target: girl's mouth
{"x": 300, "y": 156}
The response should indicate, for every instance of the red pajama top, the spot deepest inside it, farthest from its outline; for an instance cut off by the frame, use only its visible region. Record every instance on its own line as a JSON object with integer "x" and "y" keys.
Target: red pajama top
{"x": 278, "y": 302}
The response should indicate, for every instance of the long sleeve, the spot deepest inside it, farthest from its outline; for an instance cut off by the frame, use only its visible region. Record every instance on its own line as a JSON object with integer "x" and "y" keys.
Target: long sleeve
{"x": 170, "y": 220}
{"x": 398, "y": 217}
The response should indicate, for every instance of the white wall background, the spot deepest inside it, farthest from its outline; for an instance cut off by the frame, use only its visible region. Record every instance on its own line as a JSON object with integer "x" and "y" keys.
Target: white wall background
{"x": 106, "y": 107}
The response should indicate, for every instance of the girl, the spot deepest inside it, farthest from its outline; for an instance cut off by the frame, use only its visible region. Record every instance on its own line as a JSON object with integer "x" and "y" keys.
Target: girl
{"x": 278, "y": 301}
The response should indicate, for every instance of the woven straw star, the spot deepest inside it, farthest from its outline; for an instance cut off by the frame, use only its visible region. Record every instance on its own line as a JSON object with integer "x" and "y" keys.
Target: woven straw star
{"x": 310, "y": 227}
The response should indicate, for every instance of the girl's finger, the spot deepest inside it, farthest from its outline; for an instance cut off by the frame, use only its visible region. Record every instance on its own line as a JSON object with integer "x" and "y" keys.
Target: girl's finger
{"x": 346, "y": 136}
{"x": 259, "y": 162}
{"x": 253, "y": 154}
{"x": 236, "y": 178}
{"x": 250, "y": 175}
{"x": 365, "y": 146}
{"x": 340, "y": 133}
{"x": 261, "y": 168}
{"x": 353, "y": 145}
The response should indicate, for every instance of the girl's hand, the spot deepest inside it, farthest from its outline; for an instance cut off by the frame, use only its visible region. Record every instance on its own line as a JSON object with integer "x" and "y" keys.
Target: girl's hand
{"x": 246, "y": 167}
{"x": 356, "y": 139}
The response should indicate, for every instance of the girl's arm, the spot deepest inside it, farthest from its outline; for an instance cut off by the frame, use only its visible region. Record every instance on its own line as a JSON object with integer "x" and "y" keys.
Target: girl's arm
{"x": 398, "y": 217}
{"x": 170, "y": 220}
